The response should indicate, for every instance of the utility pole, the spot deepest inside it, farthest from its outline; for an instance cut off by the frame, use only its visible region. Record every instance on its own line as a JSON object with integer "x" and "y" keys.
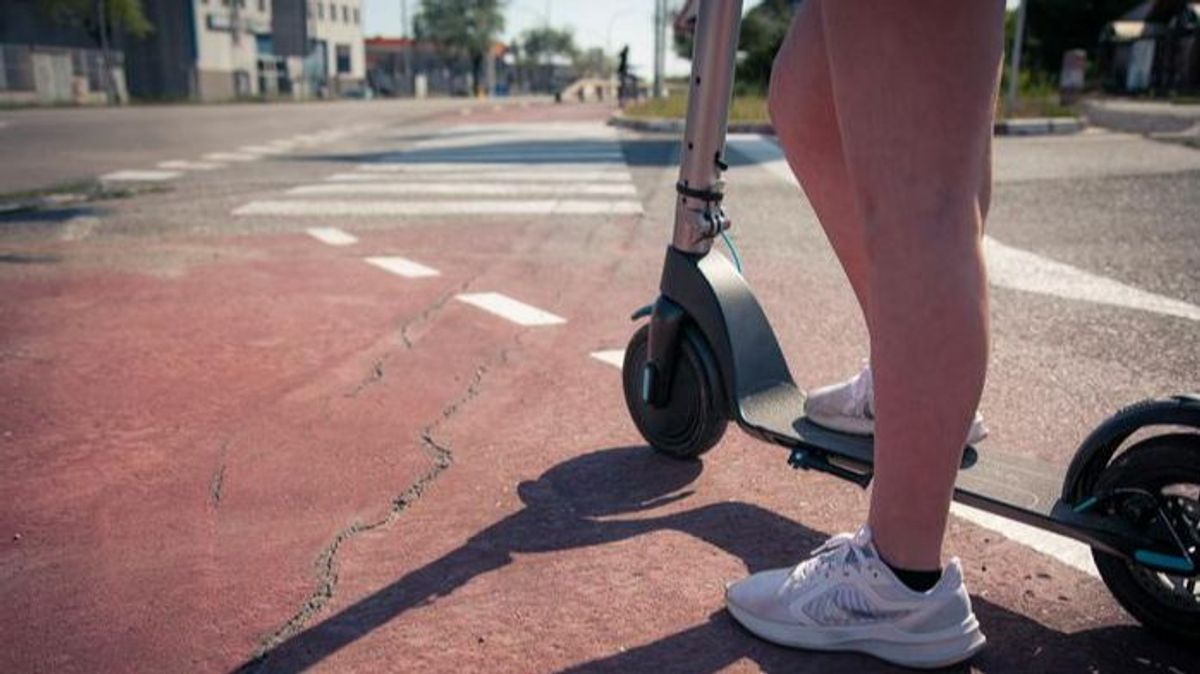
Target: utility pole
{"x": 1014, "y": 75}
{"x": 660, "y": 20}
{"x": 105, "y": 58}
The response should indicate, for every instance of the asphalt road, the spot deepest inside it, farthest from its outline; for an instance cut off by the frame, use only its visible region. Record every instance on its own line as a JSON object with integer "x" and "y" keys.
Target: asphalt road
{"x": 351, "y": 403}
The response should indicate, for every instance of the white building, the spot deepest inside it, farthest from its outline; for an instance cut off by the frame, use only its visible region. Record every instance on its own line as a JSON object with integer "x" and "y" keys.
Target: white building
{"x": 214, "y": 50}
{"x": 336, "y": 34}
{"x": 234, "y": 56}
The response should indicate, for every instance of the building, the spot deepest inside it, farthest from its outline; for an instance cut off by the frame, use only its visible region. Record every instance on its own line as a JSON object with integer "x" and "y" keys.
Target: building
{"x": 401, "y": 66}
{"x": 338, "y": 49}
{"x": 43, "y": 61}
{"x": 214, "y": 50}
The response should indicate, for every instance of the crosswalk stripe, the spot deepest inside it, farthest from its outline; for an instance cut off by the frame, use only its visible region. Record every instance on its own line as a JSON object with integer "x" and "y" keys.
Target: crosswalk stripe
{"x": 400, "y": 208}
{"x": 261, "y": 149}
{"x": 332, "y": 236}
{"x": 614, "y": 357}
{"x": 519, "y": 176}
{"x": 139, "y": 176}
{"x": 510, "y": 309}
{"x": 185, "y": 165}
{"x": 402, "y": 267}
{"x": 466, "y": 189}
{"x": 230, "y": 156}
{"x": 488, "y": 166}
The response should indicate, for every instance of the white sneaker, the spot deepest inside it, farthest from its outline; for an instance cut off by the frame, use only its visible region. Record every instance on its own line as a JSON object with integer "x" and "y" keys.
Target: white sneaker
{"x": 845, "y": 598}
{"x": 849, "y": 407}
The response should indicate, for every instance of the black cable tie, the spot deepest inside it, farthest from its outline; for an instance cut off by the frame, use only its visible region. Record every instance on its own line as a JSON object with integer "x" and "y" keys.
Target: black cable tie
{"x": 709, "y": 196}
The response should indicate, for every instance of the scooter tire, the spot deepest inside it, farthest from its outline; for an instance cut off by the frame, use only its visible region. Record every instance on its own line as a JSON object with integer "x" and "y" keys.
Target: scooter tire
{"x": 694, "y": 418}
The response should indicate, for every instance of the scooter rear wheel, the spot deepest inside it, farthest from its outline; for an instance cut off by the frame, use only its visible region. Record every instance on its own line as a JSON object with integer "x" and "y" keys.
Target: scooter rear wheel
{"x": 694, "y": 418}
{"x": 1168, "y": 466}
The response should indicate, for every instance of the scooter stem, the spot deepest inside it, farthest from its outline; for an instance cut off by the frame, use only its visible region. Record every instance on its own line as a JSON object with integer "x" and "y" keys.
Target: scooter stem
{"x": 698, "y": 215}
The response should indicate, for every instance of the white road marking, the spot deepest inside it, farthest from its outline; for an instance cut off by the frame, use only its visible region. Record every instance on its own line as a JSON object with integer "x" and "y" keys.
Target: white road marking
{"x": 283, "y": 143}
{"x": 332, "y": 236}
{"x": 764, "y": 153}
{"x": 400, "y": 208}
{"x": 140, "y": 176}
{"x": 489, "y": 166}
{"x": 499, "y": 176}
{"x": 185, "y": 165}
{"x": 466, "y": 189}
{"x": 510, "y": 309}
{"x": 614, "y": 357}
{"x": 1018, "y": 269}
{"x": 261, "y": 149}
{"x": 230, "y": 156}
{"x": 1010, "y": 267}
{"x": 1066, "y": 550}
{"x": 402, "y": 267}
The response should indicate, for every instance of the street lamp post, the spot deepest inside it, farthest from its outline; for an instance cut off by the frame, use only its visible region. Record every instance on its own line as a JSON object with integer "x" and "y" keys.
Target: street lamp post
{"x": 1014, "y": 75}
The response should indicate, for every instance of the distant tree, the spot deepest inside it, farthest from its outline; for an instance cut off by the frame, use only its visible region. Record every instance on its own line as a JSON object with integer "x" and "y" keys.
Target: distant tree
{"x": 466, "y": 27}
{"x": 539, "y": 43}
{"x": 125, "y": 16}
{"x": 594, "y": 62}
{"x": 763, "y": 30}
{"x": 1054, "y": 26}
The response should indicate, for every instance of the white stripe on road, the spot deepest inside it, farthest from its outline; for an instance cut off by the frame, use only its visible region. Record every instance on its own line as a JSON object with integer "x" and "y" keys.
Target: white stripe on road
{"x": 332, "y": 236}
{"x": 184, "y": 165}
{"x": 1018, "y": 269}
{"x": 402, "y": 267}
{"x": 230, "y": 156}
{"x": 467, "y": 189}
{"x": 1066, "y": 550}
{"x": 490, "y": 166}
{"x": 1009, "y": 267}
{"x": 510, "y": 309}
{"x": 260, "y": 149}
{"x": 614, "y": 357}
{"x": 400, "y": 208}
{"x": 140, "y": 176}
{"x": 505, "y": 176}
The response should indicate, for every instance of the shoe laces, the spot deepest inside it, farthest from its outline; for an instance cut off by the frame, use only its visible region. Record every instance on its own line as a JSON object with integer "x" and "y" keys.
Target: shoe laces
{"x": 861, "y": 392}
{"x": 838, "y": 552}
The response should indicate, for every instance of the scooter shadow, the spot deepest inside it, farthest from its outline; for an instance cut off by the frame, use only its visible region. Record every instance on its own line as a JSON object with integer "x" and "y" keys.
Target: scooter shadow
{"x": 569, "y": 507}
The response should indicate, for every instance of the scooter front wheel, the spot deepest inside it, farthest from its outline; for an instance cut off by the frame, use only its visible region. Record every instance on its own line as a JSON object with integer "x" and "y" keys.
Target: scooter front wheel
{"x": 694, "y": 417}
{"x": 1166, "y": 467}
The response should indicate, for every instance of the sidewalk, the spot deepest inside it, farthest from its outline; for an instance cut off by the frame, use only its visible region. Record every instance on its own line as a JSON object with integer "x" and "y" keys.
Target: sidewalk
{"x": 1153, "y": 118}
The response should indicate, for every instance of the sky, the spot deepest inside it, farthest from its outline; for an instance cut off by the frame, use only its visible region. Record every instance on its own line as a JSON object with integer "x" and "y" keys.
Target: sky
{"x": 595, "y": 24}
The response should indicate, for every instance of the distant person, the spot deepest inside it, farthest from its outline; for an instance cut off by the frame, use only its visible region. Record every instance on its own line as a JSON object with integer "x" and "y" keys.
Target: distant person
{"x": 623, "y": 75}
{"x": 884, "y": 111}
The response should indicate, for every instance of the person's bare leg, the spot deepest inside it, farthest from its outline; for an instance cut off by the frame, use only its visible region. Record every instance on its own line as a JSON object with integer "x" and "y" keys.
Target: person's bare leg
{"x": 913, "y": 87}
{"x": 802, "y": 112}
{"x": 805, "y": 122}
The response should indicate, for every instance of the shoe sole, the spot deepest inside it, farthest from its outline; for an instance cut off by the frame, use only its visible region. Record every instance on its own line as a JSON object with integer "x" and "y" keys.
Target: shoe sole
{"x": 866, "y": 427}
{"x": 932, "y": 654}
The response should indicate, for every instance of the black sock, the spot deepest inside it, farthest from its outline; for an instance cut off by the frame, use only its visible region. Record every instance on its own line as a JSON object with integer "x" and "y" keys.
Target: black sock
{"x": 918, "y": 581}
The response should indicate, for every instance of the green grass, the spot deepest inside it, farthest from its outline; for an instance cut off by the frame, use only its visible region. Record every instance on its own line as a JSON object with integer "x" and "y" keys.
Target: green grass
{"x": 749, "y": 108}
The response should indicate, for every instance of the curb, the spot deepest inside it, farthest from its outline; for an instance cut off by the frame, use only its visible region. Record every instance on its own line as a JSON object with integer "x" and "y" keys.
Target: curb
{"x": 1011, "y": 127}
{"x": 1039, "y": 126}
{"x": 670, "y": 125}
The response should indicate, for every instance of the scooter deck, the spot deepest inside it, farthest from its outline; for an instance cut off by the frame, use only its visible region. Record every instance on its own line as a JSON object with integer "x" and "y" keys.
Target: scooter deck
{"x": 1020, "y": 488}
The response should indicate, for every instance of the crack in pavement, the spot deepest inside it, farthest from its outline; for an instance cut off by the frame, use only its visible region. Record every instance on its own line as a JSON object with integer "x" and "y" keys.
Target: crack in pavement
{"x": 378, "y": 366}
{"x": 327, "y": 570}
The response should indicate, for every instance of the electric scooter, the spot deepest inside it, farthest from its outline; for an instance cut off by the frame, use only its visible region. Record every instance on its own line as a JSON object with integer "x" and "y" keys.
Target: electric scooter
{"x": 707, "y": 355}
